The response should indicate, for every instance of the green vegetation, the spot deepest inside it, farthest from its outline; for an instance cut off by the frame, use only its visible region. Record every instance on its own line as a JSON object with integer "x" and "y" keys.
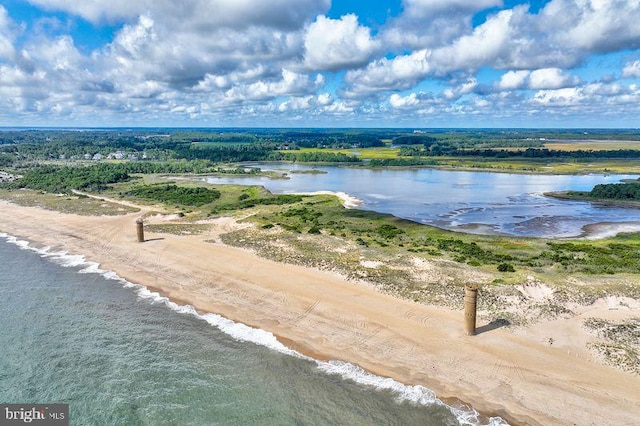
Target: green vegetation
{"x": 55, "y": 179}
{"x": 173, "y": 194}
{"x": 20, "y": 149}
{"x": 128, "y": 164}
{"x": 323, "y": 214}
{"x": 257, "y": 198}
{"x": 628, "y": 192}
{"x": 612, "y": 191}
{"x": 74, "y": 204}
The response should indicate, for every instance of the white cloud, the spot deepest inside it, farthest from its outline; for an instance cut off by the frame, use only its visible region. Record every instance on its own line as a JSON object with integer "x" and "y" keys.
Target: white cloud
{"x": 551, "y": 78}
{"x": 404, "y": 102}
{"x": 599, "y": 97}
{"x": 513, "y": 80}
{"x": 204, "y": 13}
{"x": 487, "y": 44}
{"x": 545, "y": 78}
{"x": 431, "y": 23}
{"x": 212, "y": 82}
{"x": 631, "y": 70}
{"x": 7, "y": 36}
{"x": 460, "y": 90}
{"x": 291, "y": 84}
{"x": 399, "y": 73}
{"x": 332, "y": 44}
{"x": 216, "y": 59}
{"x": 96, "y": 10}
{"x": 594, "y": 25}
{"x": 428, "y": 8}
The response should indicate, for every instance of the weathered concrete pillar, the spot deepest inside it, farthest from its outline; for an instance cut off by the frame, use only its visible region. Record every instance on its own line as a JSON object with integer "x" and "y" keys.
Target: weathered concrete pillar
{"x": 470, "y": 299}
{"x": 140, "y": 227}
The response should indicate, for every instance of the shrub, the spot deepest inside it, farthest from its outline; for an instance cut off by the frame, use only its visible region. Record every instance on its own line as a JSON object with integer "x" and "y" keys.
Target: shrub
{"x": 506, "y": 267}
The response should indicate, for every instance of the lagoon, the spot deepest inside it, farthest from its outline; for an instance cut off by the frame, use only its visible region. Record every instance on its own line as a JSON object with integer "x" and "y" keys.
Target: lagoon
{"x": 466, "y": 201}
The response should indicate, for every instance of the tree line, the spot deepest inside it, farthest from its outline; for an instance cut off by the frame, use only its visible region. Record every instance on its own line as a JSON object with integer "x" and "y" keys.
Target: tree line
{"x": 612, "y": 191}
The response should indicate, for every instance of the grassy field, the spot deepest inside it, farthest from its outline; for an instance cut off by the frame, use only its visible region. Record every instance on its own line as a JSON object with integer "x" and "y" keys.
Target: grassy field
{"x": 592, "y": 145}
{"x": 364, "y": 153}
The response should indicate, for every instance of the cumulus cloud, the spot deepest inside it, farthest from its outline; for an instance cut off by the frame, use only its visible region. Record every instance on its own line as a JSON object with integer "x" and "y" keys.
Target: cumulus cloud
{"x": 333, "y": 44}
{"x": 460, "y": 90}
{"x": 594, "y": 25}
{"x": 7, "y": 36}
{"x": 545, "y": 78}
{"x": 487, "y": 44}
{"x": 551, "y": 78}
{"x": 203, "y": 13}
{"x": 428, "y": 8}
{"x": 401, "y": 72}
{"x": 291, "y": 84}
{"x": 591, "y": 97}
{"x": 631, "y": 70}
{"x": 514, "y": 80}
{"x": 404, "y": 102}
{"x": 432, "y": 23}
{"x": 195, "y": 59}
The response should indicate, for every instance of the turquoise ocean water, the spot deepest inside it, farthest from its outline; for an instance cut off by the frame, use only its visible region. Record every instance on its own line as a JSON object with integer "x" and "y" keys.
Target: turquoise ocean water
{"x": 121, "y": 355}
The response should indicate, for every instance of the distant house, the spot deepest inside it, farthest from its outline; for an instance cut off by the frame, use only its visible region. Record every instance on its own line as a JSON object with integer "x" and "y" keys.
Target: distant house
{"x": 87, "y": 156}
{"x": 97, "y": 157}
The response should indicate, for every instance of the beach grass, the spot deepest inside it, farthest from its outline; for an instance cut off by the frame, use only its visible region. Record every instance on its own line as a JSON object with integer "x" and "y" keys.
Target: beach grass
{"x": 74, "y": 204}
{"x": 178, "y": 228}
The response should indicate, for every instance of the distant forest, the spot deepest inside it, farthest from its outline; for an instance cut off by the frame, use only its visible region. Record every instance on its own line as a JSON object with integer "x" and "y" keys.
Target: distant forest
{"x": 20, "y": 148}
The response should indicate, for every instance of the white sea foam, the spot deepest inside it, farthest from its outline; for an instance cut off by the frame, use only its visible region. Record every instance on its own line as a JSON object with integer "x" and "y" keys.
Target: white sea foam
{"x": 415, "y": 394}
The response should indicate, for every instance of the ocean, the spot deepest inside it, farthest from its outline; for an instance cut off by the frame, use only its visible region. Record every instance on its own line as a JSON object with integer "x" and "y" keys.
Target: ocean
{"x": 119, "y": 354}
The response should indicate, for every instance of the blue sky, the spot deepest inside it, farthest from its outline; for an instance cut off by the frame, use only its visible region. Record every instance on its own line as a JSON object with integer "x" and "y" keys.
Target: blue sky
{"x": 320, "y": 63}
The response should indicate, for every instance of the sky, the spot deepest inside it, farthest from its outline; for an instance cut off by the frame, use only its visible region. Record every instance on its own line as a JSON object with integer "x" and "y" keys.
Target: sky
{"x": 320, "y": 63}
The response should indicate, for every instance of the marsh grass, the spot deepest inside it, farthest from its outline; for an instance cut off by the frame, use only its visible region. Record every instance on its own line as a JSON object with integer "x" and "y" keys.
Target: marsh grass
{"x": 178, "y": 228}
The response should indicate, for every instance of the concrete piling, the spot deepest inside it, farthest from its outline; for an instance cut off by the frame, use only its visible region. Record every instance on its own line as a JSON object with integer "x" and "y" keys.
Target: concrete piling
{"x": 140, "y": 228}
{"x": 470, "y": 306}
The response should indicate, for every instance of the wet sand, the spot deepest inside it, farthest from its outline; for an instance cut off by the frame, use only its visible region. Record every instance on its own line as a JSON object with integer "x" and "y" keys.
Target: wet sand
{"x": 517, "y": 376}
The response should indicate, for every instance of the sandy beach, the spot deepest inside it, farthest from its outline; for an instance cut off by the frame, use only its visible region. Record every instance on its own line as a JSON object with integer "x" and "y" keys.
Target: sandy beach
{"x": 518, "y": 376}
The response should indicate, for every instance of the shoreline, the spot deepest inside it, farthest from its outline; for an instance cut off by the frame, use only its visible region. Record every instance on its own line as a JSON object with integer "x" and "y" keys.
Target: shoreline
{"x": 319, "y": 313}
{"x": 416, "y": 394}
{"x": 245, "y": 333}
